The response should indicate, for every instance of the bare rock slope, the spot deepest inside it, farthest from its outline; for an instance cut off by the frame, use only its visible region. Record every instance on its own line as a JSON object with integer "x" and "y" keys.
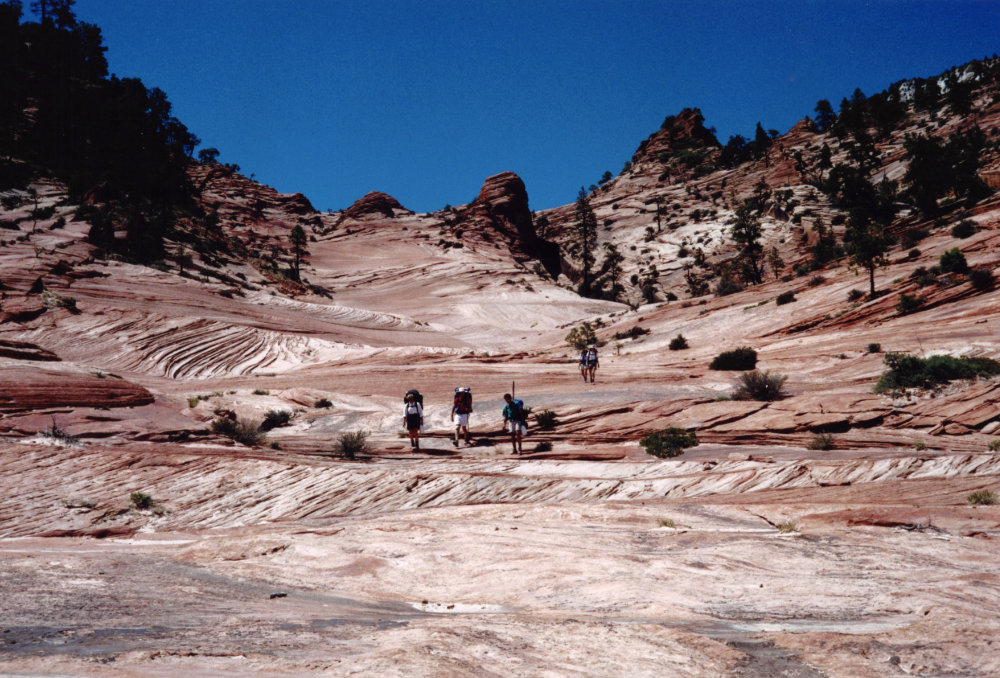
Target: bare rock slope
{"x": 825, "y": 533}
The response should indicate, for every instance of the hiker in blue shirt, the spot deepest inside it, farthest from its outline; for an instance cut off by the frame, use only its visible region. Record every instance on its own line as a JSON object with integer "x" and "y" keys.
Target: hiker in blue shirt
{"x": 516, "y": 420}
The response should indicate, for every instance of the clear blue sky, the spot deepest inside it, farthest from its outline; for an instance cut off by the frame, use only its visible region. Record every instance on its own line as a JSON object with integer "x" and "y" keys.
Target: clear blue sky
{"x": 423, "y": 99}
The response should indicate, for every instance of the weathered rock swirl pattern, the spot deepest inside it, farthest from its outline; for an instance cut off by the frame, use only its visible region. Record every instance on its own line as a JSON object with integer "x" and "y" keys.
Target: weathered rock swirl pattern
{"x": 205, "y": 490}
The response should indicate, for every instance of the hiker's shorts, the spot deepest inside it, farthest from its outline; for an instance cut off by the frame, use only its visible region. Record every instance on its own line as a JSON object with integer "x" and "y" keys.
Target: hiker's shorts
{"x": 517, "y": 427}
{"x": 462, "y": 420}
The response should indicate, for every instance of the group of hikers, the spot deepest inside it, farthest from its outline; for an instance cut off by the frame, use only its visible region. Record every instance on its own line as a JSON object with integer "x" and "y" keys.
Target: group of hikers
{"x": 515, "y": 417}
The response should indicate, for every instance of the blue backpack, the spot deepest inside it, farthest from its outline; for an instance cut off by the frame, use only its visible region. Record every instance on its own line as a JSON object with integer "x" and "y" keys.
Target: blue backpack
{"x": 517, "y": 410}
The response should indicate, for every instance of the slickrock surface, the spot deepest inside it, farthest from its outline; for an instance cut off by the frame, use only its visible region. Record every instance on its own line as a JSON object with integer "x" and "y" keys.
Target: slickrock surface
{"x": 750, "y": 555}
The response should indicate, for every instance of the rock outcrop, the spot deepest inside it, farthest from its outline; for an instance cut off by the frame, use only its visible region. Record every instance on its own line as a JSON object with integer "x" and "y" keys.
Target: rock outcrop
{"x": 502, "y": 207}
{"x": 28, "y": 388}
{"x": 684, "y": 130}
{"x": 375, "y": 203}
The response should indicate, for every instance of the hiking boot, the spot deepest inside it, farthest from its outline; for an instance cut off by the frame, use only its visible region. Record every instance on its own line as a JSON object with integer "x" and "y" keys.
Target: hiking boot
{"x": 455, "y": 442}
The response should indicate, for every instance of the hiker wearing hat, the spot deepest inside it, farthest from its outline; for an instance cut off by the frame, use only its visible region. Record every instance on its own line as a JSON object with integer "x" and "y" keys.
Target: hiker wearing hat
{"x": 461, "y": 408}
{"x": 516, "y": 421}
{"x": 413, "y": 419}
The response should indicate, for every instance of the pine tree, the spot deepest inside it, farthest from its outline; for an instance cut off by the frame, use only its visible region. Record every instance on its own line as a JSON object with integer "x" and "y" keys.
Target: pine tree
{"x": 746, "y": 233}
{"x": 297, "y": 236}
{"x": 585, "y": 230}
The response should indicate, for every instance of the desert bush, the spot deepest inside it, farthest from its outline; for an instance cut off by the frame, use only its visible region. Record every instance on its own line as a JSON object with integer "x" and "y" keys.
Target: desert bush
{"x": 785, "y": 298}
{"x": 757, "y": 385}
{"x": 787, "y": 527}
{"x": 633, "y": 333}
{"x": 816, "y": 280}
{"x": 59, "y": 434}
{"x": 924, "y": 277}
{"x": 820, "y": 441}
{"x": 983, "y": 498}
{"x": 854, "y": 295}
{"x": 908, "y": 303}
{"x": 246, "y": 432}
{"x": 963, "y": 229}
{"x": 669, "y": 442}
{"x": 919, "y": 445}
{"x": 546, "y": 419}
{"x": 274, "y": 419}
{"x": 981, "y": 279}
{"x": 953, "y": 261}
{"x": 193, "y": 401}
{"x": 581, "y": 336}
{"x": 913, "y": 254}
{"x": 678, "y": 343}
{"x": 544, "y": 446}
{"x": 352, "y": 443}
{"x": 141, "y": 500}
{"x": 322, "y": 403}
{"x": 874, "y": 347}
{"x": 994, "y": 445}
{"x": 261, "y": 391}
{"x": 909, "y": 371}
{"x": 727, "y": 285}
{"x": 742, "y": 358}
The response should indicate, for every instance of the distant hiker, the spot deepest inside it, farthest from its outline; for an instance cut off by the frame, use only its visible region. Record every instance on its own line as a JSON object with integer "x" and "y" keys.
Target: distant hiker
{"x": 516, "y": 421}
{"x": 584, "y": 354}
{"x": 592, "y": 363}
{"x": 413, "y": 416}
{"x": 461, "y": 408}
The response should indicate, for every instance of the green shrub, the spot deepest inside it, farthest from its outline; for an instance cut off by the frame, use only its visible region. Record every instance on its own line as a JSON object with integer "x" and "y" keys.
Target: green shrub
{"x": 757, "y": 385}
{"x": 854, "y": 295}
{"x": 874, "y": 347}
{"x": 924, "y": 277}
{"x": 678, "y": 343}
{"x": 785, "y": 298}
{"x": 919, "y": 445}
{"x": 322, "y": 403}
{"x": 909, "y": 371}
{"x": 820, "y": 441}
{"x": 742, "y": 358}
{"x": 245, "y": 432}
{"x": 964, "y": 229}
{"x": 546, "y": 419}
{"x": 193, "y": 401}
{"x": 908, "y": 303}
{"x": 983, "y": 498}
{"x": 274, "y": 419}
{"x": 352, "y": 443}
{"x": 913, "y": 254}
{"x": 994, "y": 445}
{"x": 261, "y": 391}
{"x": 953, "y": 261}
{"x": 670, "y": 442}
{"x": 633, "y": 333}
{"x": 727, "y": 285}
{"x": 141, "y": 500}
{"x": 581, "y": 336}
{"x": 981, "y": 279}
{"x": 787, "y": 527}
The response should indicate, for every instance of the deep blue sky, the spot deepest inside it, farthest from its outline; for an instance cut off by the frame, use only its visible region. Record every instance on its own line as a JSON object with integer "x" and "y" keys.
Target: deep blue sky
{"x": 423, "y": 99}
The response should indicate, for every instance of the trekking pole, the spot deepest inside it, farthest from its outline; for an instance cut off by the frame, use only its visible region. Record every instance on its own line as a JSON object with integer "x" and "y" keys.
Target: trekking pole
{"x": 513, "y": 390}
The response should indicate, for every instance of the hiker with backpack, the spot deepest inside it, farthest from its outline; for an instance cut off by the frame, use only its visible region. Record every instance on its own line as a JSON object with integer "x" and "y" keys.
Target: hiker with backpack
{"x": 461, "y": 408}
{"x": 516, "y": 421}
{"x": 584, "y": 355}
{"x": 413, "y": 416}
{"x": 591, "y": 362}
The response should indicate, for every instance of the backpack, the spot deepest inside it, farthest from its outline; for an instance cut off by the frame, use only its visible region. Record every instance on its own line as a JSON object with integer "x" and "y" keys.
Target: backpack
{"x": 517, "y": 410}
{"x": 416, "y": 396}
{"x": 583, "y": 356}
{"x": 462, "y": 403}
